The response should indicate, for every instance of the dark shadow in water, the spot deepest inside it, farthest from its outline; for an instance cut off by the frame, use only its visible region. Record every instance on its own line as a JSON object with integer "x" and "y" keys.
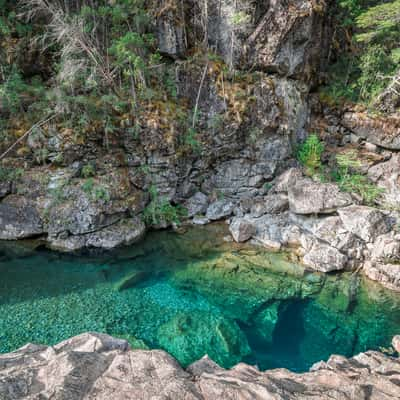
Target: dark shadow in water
{"x": 284, "y": 350}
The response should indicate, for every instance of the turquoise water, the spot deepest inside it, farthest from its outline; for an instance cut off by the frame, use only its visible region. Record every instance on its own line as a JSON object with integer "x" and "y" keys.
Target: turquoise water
{"x": 193, "y": 294}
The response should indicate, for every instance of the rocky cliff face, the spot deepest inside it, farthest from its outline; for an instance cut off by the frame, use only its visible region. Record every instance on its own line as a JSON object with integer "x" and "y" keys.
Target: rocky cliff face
{"x": 238, "y": 164}
{"x": 94, "y": 366}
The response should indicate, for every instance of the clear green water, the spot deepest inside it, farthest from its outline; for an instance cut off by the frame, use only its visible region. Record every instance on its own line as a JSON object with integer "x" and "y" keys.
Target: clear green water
{"x": 191, "y": 295}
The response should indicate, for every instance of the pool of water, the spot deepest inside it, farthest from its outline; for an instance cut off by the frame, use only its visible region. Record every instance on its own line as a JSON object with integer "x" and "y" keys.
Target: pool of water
{"x": 194, "y": 294}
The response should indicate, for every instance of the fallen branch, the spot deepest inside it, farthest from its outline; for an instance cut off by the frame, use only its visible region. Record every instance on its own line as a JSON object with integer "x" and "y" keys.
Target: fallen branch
{"x": 27, "y": 133}
{"x": 198, "y": 95}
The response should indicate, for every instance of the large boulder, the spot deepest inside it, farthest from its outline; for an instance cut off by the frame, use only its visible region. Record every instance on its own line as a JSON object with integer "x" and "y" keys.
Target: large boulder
{"x": 387, "y": 275}
{"x": 19, "y": 218}
{"x": 387, "y": 176}
{"x": 220, "y": 209}
{"x": 242, "y": 230}
{"x": 332, "y": 231}
{"x": 197, "y": 204}
{"x": 324, "y": 258}
{"x": 124, "y": 232}
{"x": 386, "y": 248}
{"x": 271, "y": 204}
{"x": 367, "y": 223}
{"x": 309, "y": 197}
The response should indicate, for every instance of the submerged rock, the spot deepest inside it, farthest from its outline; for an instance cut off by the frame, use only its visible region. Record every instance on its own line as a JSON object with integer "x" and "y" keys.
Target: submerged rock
{"x": 93, "y": 366}
{"x": 189, "y": 338}
{"x": 132, "y": 279}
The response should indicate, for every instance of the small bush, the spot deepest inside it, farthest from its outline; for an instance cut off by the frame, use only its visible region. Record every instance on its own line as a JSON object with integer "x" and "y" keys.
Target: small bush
{"x": 351, "y": 180}
{"x": 309, "y": 154}
{"x": 10, "y": 174}
{"x": 88, "y": 171}
{"x": 161, "y": 211}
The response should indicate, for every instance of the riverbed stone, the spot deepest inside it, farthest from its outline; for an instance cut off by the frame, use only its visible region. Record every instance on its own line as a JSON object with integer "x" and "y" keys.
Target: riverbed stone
{"x": 309, "y": 197}
{"x": 365, "y": 222}
{"x": 190, "y": 337}
{"x": 19, "y": 218}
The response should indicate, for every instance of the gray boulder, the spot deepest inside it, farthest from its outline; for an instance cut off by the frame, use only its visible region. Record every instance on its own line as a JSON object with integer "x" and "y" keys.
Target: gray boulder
{"x": 197, "y": 204}
{"x": 365, "y": 222}
{"x": 309, "y": 197}
{"x": 242, "y": 230}
{"x": 124, "y": 232}
{"x": 386, "y": 175}
{"x": 5, "y": 188}
{"x": 332, "y": 231}
{"x": 271, "y": 204}
{"x": 220, "y": 209}
{"x": 387, "y": 275}
{"x": 324, "y": 258}
{"x": 19, "y": 218}
{"x": 386, "y": 248}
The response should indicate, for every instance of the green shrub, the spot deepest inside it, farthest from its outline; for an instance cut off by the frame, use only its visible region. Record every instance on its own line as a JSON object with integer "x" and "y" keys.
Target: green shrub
{"x": 351, "y": 180}
{"x": 161, "y": 211}
{"x": 10, "y": 174}
{"x": 100, "y": 193}
{"x": 88, "y": 171}
{"x": 96, "y": 192}
{"x": 309, "y": 154}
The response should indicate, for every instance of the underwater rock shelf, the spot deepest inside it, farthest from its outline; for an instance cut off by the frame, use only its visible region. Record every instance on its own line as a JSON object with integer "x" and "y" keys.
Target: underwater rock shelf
{"x": 191, "y": 295}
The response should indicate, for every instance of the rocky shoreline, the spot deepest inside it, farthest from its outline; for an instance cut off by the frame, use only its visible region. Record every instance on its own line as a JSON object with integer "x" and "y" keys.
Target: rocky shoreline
{"x": 97, "y": 366}
{"x": 242, "y": 167}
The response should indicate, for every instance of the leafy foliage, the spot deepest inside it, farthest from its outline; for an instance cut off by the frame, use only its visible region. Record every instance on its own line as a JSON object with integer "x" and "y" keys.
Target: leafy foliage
{"x": 309, "y": 154}
{"x": 351, "y": 180}
{"x": 161, "y": 212}
{"x": 372, "y": 61}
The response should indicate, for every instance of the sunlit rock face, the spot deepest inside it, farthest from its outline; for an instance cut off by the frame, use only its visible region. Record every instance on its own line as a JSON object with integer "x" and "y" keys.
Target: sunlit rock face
{"x": 96, "y": 366}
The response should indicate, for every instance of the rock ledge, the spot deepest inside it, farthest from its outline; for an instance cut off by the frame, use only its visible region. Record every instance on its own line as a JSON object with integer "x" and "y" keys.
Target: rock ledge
{"x": 97, "y": 366}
